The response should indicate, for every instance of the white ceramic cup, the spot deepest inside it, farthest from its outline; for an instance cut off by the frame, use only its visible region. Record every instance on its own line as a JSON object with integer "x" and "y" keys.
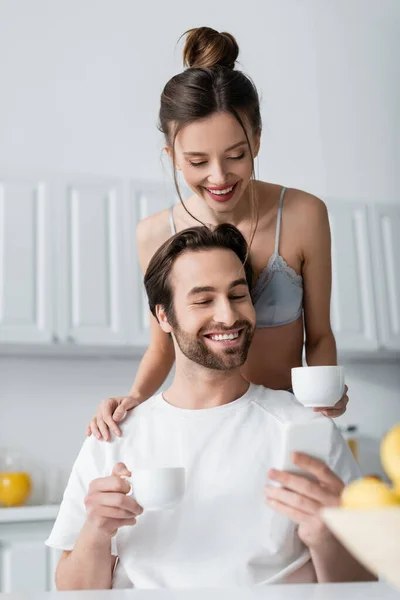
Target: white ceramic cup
{"x": 318, "y": 386}
{"x": 158, "y": 488}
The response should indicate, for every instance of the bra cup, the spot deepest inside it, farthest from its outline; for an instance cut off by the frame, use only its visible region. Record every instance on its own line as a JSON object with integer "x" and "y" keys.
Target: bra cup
{"x": 280, "y": 302}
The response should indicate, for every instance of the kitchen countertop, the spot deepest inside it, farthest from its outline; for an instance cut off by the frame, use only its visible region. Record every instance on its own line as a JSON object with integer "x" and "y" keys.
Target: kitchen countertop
{"x": 332, "y": 591}
{"x": 45, "y": 512}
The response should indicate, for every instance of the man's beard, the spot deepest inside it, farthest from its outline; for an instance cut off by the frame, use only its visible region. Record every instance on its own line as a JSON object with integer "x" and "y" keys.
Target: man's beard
{"x": 196, "y": 349}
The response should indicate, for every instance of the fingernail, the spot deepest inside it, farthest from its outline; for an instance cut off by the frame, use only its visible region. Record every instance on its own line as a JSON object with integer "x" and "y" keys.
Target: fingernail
{"x": 97, "y": 435}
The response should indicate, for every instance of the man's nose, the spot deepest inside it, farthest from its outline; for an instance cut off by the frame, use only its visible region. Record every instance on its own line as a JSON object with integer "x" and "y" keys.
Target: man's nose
{"x": 225, "y": 313}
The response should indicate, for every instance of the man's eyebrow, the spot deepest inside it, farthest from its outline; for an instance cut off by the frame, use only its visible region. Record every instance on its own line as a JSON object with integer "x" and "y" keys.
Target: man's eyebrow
{"x": 210, "y": 288}
{"x": 199, "y": 289}
{"x": 205, "y": 153}
{"x": 241, "y": 281}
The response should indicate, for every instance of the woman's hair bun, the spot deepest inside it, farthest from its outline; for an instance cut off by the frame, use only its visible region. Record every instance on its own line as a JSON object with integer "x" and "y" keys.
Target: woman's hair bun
{"x": 207, "y": 48}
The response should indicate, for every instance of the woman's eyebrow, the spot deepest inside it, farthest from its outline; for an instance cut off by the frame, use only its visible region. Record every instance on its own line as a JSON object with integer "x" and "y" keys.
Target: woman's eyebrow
{"x": 205, "y": 153}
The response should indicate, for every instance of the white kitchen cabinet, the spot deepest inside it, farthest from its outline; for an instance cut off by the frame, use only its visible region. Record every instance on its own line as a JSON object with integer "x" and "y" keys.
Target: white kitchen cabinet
{"x": 386, "y": 262}
{"x": 26, "y": 291}
{"x": 70, "y": 278}
{"x": 353, "y": 311}
{"x": 69, "y": 274}
{"x": 26, "y": 564}
{"x": 90, "y": 278}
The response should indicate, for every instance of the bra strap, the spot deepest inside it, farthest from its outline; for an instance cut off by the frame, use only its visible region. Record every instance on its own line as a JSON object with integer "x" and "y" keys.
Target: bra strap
{"x": 279, "y": 220}
{"x": 171, "y": 220}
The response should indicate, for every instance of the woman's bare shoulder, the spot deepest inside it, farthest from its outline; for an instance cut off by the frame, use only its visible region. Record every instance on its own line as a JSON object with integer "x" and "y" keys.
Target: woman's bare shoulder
{"x": 298, "y": 205}
{"x": 151, "y": 233}
{"x": 305, "y": 208}
{"x": 307, "y": 220}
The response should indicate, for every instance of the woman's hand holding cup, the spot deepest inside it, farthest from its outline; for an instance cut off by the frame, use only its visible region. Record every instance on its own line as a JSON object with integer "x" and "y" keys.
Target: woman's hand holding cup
{"x": 321, "y": 388}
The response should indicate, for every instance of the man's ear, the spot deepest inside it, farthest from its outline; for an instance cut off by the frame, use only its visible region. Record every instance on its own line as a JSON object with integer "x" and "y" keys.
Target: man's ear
{"x": 162, "y": 319}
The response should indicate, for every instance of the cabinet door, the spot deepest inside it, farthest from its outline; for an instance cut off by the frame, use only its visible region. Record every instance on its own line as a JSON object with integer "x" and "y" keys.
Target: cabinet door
{"x": 26, "y": 564}
{"x": 91, "y": 298}
{"x": 143, "y": 201}
{"x": 23, "y": 566}
{"x": 352, "y": 307}
{"x": 386, "y": 230}
{"x": 26, "y": 292}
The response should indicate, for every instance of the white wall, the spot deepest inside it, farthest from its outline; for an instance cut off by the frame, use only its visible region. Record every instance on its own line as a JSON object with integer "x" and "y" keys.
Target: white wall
{"x": 81, "y": 80}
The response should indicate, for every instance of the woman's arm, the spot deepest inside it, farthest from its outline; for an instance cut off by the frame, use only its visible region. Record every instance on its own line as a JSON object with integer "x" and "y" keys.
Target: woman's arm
{"x": 320, "y": 343}
{"x": 154, "y": 367}
{"x": 155, "y": 364}
{"x": 159, "y": 356}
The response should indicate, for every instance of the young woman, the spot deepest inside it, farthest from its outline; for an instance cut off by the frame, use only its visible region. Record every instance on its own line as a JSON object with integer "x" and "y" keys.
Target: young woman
{"x": 210, "y": 116}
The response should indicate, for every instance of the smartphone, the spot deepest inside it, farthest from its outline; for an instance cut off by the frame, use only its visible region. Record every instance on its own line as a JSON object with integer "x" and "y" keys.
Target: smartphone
{"x": 312, "y": 437}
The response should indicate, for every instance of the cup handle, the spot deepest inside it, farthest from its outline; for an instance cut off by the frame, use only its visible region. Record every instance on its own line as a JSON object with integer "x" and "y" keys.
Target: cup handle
{"x": 130, "y": 493}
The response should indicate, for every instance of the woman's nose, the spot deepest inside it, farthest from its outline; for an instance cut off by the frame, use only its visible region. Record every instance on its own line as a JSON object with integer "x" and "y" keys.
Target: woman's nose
{"x": 217, "y": 175}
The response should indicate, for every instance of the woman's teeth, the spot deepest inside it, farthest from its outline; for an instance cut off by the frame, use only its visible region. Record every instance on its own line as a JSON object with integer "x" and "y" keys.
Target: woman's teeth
{"x": 221, "y": 192}
{"x": 229, "y": 336}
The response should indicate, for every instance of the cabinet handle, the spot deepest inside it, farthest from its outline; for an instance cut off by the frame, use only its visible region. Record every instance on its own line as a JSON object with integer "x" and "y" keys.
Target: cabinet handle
{"x": 55, "y": 339}
{"x": 70, "y": 339}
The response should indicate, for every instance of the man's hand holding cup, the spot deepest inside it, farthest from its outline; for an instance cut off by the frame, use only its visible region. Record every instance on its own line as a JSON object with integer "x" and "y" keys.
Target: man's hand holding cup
{"x": 108, "y": 507}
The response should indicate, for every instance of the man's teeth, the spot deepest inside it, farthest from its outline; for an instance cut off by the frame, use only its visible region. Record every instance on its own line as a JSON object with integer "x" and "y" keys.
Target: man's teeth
{"x": 225, "y": 336}
{"x": 221, "y": 192}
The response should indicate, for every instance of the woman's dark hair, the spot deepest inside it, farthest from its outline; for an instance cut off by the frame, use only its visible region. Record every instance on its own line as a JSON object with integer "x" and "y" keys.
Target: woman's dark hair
{"x": 156, "y": 279}
{"x": 210, "y": 84}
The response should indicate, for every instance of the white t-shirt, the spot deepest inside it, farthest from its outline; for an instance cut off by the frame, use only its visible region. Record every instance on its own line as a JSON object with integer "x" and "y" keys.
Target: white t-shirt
{"x": 222, "y": 534}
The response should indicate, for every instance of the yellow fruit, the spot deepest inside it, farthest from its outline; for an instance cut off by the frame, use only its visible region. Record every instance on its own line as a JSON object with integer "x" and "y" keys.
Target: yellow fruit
{"x": 396, "y": 488}
{"x": 368, "y": 493}
{"x": 373, "y": 477}
{"x": 14, "y": 488}
{"x": 390, "y": 453}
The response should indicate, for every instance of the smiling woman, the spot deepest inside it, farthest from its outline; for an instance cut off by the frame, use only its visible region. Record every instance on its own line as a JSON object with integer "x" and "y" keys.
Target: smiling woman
{"x": 210, "y": 117}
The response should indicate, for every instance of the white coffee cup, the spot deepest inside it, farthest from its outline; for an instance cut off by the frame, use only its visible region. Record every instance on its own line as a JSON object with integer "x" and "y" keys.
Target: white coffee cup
{"x": 157, "y": 488}
{"x": 318, "y": 386}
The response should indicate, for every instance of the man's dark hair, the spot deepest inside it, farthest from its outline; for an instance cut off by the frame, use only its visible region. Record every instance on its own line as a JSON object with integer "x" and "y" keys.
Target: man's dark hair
{"x": 156, "y": 279}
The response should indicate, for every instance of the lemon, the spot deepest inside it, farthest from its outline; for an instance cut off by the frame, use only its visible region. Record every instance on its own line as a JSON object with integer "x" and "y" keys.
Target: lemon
{"x": 396, "y": 487}
{"x": 390, "y": 454}
{"x": 14, "y": 488}
{"x": 368, "y": 493}
{"x": 373, "y": 477}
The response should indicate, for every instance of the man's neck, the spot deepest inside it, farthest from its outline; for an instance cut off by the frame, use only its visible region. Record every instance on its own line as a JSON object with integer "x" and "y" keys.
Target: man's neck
{"x": 195, "y": 387}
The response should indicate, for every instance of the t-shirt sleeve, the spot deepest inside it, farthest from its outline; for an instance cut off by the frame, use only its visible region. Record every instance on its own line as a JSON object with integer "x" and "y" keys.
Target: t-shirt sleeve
{"x": 90, "y": 464}
{"x": 341, "y": 459}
